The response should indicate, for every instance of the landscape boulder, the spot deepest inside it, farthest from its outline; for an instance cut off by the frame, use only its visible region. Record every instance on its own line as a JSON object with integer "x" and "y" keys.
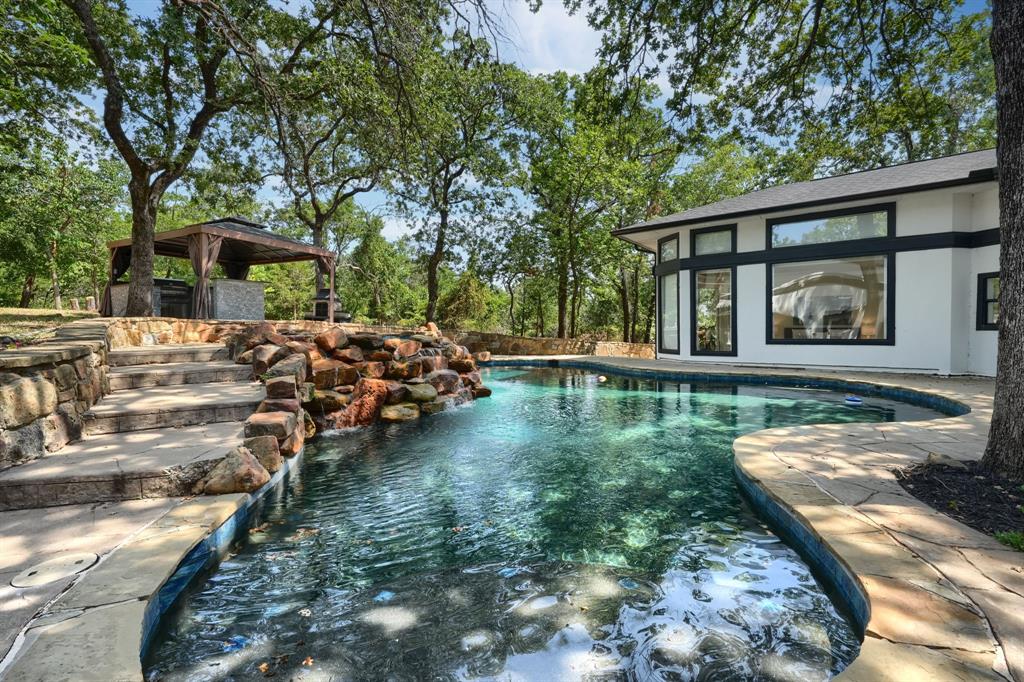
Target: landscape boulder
{"x": 279, "y": 405}
{"x": 331, "y": 339}
{"x": 277, "y": 424}
{"x": 482, "y": 356}
{"x": 397, "y": 392}
{"x": 292, "y": 445}
{"x": 351, "y": 355}
{"x": 239, "y": 472}
{"x": 462, "y": 365}
{"x": 293, "y": 365}
{"x": 266, "y": 450}
{"x": 367, "y": 340}
{"x": 330, "y": 373}
{"x": 373, "y": 370}
{"x": 328, "y": 401}
{"x": 281, "y": 387}
{"x": 421, "y": 393}
{"x": 407, "y": 349}
{"x": 403, "y": 370}
{"x": 444, "y": 380}
{"x": 402, "y": 412}
{"x": 367, "y": 399}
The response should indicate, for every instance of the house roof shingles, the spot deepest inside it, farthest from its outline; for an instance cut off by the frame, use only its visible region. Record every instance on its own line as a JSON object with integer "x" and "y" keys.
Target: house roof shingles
{"x": 907, "y": 177}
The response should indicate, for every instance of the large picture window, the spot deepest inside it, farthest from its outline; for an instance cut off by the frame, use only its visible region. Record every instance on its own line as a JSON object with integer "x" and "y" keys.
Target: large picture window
{"x": 668, "y": 313}
{"x": 827, "y": 228}
{"x": 714, "y": 312}
{"x": 842, "y": 300}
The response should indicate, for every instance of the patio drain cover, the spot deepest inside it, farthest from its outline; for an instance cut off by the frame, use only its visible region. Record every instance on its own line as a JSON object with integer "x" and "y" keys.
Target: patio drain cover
{"x": 54, "y": 569}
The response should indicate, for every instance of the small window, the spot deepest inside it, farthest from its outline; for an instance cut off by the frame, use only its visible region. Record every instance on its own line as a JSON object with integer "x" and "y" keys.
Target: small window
{"x": 827, "y": 228}
{"x": 843, "y": 300}
{"x": 713, "y": 240}
{"x": 668, "y": 249}
{"x": 988, "y": 300}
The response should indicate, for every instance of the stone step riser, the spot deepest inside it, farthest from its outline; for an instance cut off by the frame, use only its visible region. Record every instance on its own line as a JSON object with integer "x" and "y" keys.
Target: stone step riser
{"x": 121, "y": 423}
{"x": 124, "y": 382}
{"x": 158, "y": 356}
{"x": 34, "y": 495}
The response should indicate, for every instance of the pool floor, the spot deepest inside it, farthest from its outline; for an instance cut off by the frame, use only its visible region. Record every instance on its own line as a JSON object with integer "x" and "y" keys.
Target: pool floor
{"x": 565, "y": 528}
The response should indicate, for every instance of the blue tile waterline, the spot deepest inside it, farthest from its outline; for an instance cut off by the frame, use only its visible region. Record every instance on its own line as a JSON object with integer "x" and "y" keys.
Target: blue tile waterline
{"x": 210, "y": 551}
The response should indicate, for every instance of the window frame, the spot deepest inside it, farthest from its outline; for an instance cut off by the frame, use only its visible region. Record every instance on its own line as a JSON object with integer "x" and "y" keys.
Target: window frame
{"x": 981, "y": 316}
{"x": 734, "y": 337}
{"x": 890, "y": 302}
{"x": 706, "y": 230}
{"x": 664, "y": 239}
{"x": 890, "y": 228}
{"x": 678, "y": 350}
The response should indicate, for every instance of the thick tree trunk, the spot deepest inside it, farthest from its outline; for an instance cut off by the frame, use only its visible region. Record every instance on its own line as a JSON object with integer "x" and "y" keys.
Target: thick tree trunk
{"x": 563, "y": 297}
{"x": 318, "y": 241}
{"x": 433, "y": 264}
{"x": 27, "y": 290}
{"x": 55, "y": 280}
{"x": 636, "y": 305}
{"x": 140, "y": 282}
{"x": 1005, "y": 451}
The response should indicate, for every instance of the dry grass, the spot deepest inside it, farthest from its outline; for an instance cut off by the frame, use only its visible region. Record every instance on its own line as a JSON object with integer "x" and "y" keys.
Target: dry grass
{"x": 31, "y": 325}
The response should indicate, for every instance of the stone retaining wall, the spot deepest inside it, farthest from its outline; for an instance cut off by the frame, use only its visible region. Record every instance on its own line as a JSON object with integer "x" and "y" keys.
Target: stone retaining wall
{"x": 145, "y": 331}
{"x": 45, "y": 390}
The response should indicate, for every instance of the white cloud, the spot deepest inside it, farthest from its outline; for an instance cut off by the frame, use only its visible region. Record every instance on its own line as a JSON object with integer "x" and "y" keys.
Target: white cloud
{"x": 549, "y": 40}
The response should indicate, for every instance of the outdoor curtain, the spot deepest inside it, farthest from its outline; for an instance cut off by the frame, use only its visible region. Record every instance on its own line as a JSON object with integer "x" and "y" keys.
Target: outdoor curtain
{"x": 203, "y": 250}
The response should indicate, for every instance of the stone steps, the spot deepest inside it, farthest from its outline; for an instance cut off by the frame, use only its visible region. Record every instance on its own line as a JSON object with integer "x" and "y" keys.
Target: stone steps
{"x": 119, "y": 466}
{"x": 128, "y": 377}
{"x": 167, "y": 353}
{"x": 159, "y": 407}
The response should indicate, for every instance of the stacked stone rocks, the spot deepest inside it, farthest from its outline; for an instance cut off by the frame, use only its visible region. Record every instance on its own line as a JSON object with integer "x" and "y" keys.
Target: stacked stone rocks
{"x": 344, "y": 380}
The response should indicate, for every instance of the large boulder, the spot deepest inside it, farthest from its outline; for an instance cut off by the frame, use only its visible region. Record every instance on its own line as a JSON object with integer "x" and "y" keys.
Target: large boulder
{"x": 480, "y": 391}
{"x": 397, "y": 392}
{"x": 380, "y": 356}
{"x": 351, "y": 355}
{"x": 425, "y": 340}
{"x": 328, "y": 401}
{"x": 292, "y": 445}
{"x": 277, "y": 424}
{"x": 293, "y": 365}
{"x": 431, "y": 363}
{"x": 403, "y": 370}
{"x": 373, "y": 370}
{"x": 402, "y": 412}
{"x": 250, "y": 337}
{"x": 331, "y": 339}
{"x": 407, "y": 349}
{"x": 239, "y": 472}
{"x": 266, "y": 450}
{"x": 367, "y": 340}
{"x": 444, "y": 380}
{"x": 244, "y": 358}
{"x": 421, "y": 393}
{"x": 306, "y": 348}
{"x": 308, "y": 425}
{"x": 462, "y": 365}
{"x": 330, "y": 373}
{"x": 279, "y": 405}
{"x": 367, "y": 399}
{"x": 471, "y": 379}
{"x": 281, "y": 387}
{"x": 392, "y": 342}
{"x": 25, "y": 399}
{"x": 482, "y": 356}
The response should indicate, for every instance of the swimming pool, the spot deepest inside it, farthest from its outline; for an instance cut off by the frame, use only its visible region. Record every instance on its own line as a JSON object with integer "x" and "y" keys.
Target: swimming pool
{"x": 565, "y": 528}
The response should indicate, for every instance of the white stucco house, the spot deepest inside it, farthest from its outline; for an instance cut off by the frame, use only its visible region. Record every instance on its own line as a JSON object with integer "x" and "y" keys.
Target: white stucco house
{"x": 892, "y": 269}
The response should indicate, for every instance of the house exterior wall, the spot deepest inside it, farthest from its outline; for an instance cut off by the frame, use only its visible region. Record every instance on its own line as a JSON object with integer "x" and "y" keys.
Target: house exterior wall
{"x": 936, "y": 290}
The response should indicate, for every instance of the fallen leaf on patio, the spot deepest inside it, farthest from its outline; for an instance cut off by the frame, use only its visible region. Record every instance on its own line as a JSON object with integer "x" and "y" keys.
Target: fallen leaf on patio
{"x": 308, "y": 660}
{"x": 305, "y": 613}
{"x": 263, "y": 667}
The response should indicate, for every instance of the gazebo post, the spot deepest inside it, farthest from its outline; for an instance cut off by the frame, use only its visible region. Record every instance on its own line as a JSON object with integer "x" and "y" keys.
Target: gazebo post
{"x": 330, "y": 296}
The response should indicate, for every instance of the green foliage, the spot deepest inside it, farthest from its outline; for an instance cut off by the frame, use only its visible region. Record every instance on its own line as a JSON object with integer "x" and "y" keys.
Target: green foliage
{"x": 1011, "y": 538}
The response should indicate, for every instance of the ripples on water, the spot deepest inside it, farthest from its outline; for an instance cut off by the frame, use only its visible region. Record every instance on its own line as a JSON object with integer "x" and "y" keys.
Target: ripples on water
{"x": 562, "y": 529}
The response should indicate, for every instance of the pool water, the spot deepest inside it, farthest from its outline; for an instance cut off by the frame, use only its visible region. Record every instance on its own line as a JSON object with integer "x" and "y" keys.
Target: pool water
{"x": 565, "y": 528}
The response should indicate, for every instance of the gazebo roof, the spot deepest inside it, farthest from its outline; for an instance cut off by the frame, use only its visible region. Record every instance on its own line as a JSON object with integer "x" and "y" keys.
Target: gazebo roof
{"x": 245, "y": 243}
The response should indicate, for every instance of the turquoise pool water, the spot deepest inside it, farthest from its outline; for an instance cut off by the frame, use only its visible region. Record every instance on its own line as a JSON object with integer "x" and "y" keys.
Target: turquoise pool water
{"x": 565, "y": 528}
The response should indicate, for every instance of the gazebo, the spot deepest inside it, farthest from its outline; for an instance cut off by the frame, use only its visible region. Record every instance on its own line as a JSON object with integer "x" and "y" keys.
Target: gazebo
{"x": 235, "y": 243}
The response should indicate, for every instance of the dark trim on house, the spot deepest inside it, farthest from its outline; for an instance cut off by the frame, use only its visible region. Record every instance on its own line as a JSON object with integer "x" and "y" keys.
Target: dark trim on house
{"x": 890, "y": 306}
{"x": 667, "y": 238}
{"x": 678, "y": 350}
{"x": 988, "y": 175}
{"x": 714, "y": 228}
{"x": 981, "y": 312}
{"x": 890, "y": 224}
{"x": 858, "y": 247}
{"x": 693, "y": 313}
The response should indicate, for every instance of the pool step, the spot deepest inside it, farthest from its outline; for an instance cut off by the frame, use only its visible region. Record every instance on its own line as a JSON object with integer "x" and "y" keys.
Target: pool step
{"x": 160, "y": 407}
{"x": 127, "y": 377}
{"x": 167, "y": 353}
{"x": 119, "y": 466}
